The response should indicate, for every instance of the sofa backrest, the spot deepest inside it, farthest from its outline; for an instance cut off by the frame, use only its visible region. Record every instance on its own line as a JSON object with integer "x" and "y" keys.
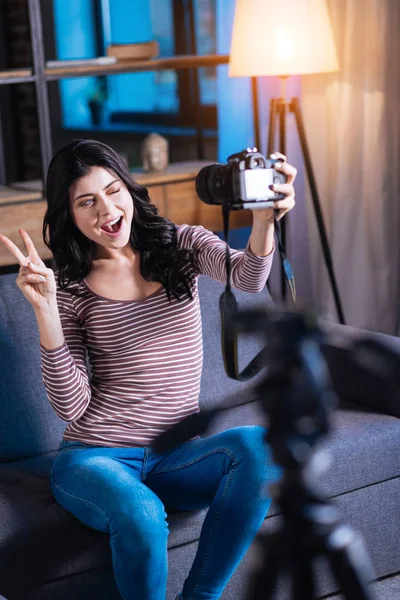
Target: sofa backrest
{"x": 28, "y": 424}
{"x": 217, "y": 390}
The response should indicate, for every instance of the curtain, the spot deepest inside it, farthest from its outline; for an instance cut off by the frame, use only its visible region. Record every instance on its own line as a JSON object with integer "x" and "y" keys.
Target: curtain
{"x": 352, "y": 119}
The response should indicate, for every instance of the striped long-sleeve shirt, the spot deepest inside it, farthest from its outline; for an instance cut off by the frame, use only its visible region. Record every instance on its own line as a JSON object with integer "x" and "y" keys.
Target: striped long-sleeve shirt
{"x": 145, "y": 356}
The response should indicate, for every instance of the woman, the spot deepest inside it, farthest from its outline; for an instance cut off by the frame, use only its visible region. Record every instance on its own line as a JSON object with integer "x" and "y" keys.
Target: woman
{"x": 126, "y": 299}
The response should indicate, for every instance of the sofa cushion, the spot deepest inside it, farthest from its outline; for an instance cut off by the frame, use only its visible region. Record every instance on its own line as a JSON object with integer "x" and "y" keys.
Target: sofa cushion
{"x": 363, "y": 447}
{"x": 40, "y": 541}
{"x": 216, "y": 387}
{"x": 28, "y": 423}
{"x": 374, "y": 384}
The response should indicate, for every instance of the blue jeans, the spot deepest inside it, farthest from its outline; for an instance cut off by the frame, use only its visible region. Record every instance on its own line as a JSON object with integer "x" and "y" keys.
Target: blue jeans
{"x": 125, "y": 492}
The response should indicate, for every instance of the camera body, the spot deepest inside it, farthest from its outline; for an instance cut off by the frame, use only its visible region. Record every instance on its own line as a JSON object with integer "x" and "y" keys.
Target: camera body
{"x": 245, "y": 182}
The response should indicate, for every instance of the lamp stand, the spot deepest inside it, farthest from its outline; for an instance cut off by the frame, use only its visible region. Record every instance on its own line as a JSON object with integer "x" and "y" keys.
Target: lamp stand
{"x": 278, "y": 109}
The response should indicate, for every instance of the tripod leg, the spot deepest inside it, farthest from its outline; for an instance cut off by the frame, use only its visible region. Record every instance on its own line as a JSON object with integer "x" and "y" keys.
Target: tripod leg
{"x": 282, "y": 148}
{"x": 271, "y": 141}
{"x": 272, "y": 122}
{"x": 256, "y": 113}
{"x": 302, "y": 578}
{"x": 350, "y": 564}
{"x": 295, "y": 108}
{"x": 263, "y": 582}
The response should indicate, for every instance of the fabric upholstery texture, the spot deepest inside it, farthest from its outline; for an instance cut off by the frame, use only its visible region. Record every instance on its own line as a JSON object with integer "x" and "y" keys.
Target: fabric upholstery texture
{"x": 26, "y": 501}
{"x": 28, "y": 424}
{"x": 381, "y": 535}
{"x": 46, "y": 554}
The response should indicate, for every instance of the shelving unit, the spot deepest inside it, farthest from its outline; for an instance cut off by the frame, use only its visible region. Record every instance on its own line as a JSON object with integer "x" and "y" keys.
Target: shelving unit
{"x": 24, "y": 202}
{"x": 10, "y": 195}
{"x": 40, "y": 76}
{"x": 132, "y": 66}
{"x": 16, "y": 76}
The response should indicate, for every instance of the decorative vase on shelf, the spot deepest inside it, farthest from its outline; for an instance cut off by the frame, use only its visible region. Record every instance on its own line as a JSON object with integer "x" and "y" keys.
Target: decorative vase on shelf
{"x": 154, "y": 153}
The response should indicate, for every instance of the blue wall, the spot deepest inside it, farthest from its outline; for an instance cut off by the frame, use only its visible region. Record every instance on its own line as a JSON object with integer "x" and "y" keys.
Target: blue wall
{"x": 234, "y": 106}
{"x": 233, "y": 93}
{"x": 74, "y": 33}
{"x": 131, "y": 22}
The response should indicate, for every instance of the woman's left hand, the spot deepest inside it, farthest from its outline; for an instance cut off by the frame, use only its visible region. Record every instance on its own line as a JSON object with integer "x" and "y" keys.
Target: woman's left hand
{"x": 283, "y": 206}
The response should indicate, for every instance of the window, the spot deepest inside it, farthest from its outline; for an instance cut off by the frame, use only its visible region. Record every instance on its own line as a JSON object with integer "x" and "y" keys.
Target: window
{"x": 139, "y": 102}
{"x": 205, "y": 27}
{"x": 162, "y": 97}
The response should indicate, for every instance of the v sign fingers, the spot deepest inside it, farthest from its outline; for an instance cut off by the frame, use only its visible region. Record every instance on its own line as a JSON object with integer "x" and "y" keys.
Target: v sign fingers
{"x": 14, "y": 250}
{"x": 36, "y": 281}
{"x": 30, "y": 248}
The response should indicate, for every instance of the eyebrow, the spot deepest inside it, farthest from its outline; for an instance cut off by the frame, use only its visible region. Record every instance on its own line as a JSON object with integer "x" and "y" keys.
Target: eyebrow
{"x": 91, "y": 193}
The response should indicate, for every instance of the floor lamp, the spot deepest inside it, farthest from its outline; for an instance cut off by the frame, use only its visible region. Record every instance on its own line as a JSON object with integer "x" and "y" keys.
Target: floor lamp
{"x": 293, "y": 37}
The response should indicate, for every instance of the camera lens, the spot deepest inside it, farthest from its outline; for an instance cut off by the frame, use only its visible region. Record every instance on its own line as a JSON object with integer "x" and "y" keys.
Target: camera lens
{"x": 210, "y": 184}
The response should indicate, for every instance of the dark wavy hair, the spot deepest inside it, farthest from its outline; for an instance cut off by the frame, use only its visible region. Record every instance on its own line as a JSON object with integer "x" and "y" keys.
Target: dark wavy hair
{"x": 152, "y": 236}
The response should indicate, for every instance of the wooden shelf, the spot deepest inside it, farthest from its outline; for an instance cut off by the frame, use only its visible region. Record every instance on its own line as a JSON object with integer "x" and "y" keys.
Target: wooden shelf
{"x": 180, "y": 171}
{"x": 131, "y": 66}
{"x": 16, "y": 76}
{"x": 122, "y": 66}
{"x": 15, "y": 73}
{"x": 9, "y": 195}
{"x": 35, "y": 185}
{"x": 22, "y": 210}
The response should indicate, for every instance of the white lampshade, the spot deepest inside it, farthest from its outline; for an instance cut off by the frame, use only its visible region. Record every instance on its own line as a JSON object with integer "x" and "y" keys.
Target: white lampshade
{"x": 281, "y": 37}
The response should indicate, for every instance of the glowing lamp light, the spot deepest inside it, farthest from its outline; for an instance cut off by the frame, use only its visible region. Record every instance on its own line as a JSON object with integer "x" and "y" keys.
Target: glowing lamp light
{"x": 288, "y": 37}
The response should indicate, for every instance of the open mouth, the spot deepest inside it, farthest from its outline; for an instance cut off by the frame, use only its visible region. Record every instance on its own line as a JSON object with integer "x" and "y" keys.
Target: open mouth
{"x": 114, "y": 229}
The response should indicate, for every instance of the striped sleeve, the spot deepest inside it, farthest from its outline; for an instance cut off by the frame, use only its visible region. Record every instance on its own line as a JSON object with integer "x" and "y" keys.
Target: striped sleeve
{"x": 64, "y": 370}
{"x": 249, "y": 271}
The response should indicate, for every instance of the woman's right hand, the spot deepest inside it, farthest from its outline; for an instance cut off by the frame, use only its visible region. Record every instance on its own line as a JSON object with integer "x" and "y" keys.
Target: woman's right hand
{"x": 35, "y": 280}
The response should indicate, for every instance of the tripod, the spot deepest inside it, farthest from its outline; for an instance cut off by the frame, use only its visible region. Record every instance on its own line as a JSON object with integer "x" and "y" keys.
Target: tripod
{"x": 309, "y": 530}
{"x": 297, "y": 398}
{"x": 278, "y": 108}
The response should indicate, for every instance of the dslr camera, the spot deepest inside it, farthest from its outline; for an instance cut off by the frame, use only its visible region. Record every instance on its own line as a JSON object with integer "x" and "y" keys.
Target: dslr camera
{"x": 245, "y": 182}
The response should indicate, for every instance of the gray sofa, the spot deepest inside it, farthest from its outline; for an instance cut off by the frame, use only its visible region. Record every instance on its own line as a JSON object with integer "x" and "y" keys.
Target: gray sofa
{"x": 46, "y": 554}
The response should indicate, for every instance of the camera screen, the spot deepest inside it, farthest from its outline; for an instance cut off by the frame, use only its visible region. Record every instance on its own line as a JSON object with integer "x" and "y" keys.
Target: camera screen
{"x": 256, "y": 184}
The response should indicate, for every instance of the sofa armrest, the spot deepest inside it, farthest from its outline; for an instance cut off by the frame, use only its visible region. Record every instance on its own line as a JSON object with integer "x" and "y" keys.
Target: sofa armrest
{"x": 344, "y": 335}
{"x": 371, "y": 382}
